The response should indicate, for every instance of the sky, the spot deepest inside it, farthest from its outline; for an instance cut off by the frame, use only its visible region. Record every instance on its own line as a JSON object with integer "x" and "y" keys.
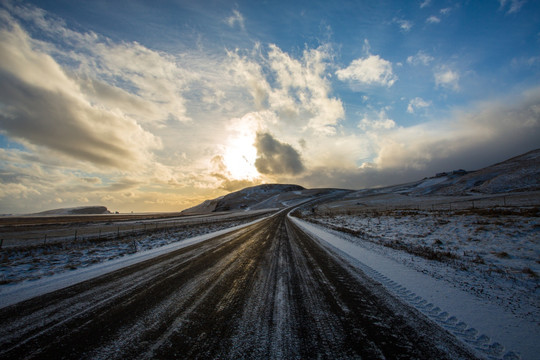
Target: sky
{"x": 151, "y": 106}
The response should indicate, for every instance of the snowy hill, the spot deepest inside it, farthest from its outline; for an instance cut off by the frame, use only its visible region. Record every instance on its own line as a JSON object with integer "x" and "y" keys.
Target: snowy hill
{"x": 82, "y": 210}
{"x": 518, "y": 174}
{"x": 521, "y": 173}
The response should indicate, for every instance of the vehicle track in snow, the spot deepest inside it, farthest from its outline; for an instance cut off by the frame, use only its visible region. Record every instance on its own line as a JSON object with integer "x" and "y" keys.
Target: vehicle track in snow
{"x": 265, "y": 291}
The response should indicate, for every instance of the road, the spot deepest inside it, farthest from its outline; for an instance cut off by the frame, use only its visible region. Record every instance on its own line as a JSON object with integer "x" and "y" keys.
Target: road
{"x": 265, "y": 291}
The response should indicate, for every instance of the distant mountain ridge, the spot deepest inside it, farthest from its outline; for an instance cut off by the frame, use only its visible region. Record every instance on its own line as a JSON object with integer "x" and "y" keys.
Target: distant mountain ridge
{"x": 81, "y": 210}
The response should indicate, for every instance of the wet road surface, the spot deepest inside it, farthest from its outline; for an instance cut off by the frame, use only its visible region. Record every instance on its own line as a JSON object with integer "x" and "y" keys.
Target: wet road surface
{"x": 265, "y": 291}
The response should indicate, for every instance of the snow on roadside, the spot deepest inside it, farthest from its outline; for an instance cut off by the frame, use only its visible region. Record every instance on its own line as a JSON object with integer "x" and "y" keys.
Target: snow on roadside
{"x": 34, "y": 262}
{"x": 482, "y": 324}
{"x": 14, "y": 293}
{"x": 493, "y": 254}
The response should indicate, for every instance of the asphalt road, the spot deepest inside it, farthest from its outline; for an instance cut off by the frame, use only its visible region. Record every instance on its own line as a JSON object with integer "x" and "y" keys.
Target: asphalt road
{"x": 265, "y": 291}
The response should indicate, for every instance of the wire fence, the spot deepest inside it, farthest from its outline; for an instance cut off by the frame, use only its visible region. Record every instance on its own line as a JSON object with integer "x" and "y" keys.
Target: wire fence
{"x": 96, "y": 232}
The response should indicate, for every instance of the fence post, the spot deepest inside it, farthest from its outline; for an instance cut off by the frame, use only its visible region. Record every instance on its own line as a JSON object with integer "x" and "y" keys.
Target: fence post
{"x": 99, "y": 236}
{"x": 118, "y": 232}
{"x": 45, "y": 239}
{"x": 75, "y": 237}
{"x": 1, "y": 243}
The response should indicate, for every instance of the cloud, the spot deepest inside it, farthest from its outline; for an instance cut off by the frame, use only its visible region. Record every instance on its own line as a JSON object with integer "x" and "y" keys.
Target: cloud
{"x": 236, "y": 18}
{"x": 148, "y": 87}
{"x": 471, "y": 138}
{"x": 91, "y": 180}
{"x": 445, "y": 11}
{"x": 525, "y": 62}
{"x": 492, "y": 127}
{"x": 371, "y": 70}
{"x": 296, "y": 90}
{"x": 380, "y": 122}
{"x": 446, "y": 78}
{"x": 421, "y": 58}
{"x": 425, "y": 3}
{"x": 513, "y": 5}
{"x": 417, "y": 103}
{"x": 224, "y": 177}
{"x": 234, "y": 185}
{"x": 433, "y": 19}
{"x": 404, "y": 25}
{"x": 45, "y": 107}
{"x": 275, "y": 157}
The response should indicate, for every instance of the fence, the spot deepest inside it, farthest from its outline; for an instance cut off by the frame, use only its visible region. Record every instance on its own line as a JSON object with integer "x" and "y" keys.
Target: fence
{"x": 40, "y": 235}
{"x": 512, "y": 202}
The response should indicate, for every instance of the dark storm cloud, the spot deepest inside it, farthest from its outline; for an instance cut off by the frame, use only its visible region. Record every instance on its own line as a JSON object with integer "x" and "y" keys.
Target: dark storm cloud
{"x": 275, "y": 157}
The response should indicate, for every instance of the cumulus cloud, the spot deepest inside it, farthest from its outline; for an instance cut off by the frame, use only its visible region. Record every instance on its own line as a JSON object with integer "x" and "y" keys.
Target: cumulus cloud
{"x": 371, "y": 70}
{"x": 425, "y": 3}
{"x": 275, "y": 157}
{"x": 421, "y": 58}
{"x": 446, "y": 78}
{"x": 417, "y": 103}
{"x": 433, "y": 20}
{"x": 296, "y": 90}
{"x": 43, "y": 106}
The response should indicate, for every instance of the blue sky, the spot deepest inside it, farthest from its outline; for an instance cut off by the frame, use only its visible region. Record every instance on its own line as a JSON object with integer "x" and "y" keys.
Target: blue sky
{"x": 156, "y": 106}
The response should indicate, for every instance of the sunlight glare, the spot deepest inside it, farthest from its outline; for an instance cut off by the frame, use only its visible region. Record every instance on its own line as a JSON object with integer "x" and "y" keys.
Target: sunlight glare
{"x": 239, "y": 157}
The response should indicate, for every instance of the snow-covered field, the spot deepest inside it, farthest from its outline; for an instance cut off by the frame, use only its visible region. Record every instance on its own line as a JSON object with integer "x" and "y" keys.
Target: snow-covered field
{"x": 493, "y": 255}
{"x": 19, "y": 264}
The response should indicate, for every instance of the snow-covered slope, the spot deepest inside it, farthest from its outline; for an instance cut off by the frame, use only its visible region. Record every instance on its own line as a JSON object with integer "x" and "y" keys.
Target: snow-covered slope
{"x": 518, "y": 174}
{"x": 521, "y": 173}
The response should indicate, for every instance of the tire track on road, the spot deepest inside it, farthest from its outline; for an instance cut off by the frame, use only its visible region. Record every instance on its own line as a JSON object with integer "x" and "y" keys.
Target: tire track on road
{"x": 265, "y": 291}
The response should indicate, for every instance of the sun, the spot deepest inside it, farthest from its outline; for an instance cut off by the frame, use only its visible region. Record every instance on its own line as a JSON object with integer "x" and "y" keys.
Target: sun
{"x": 239, "y": 157}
